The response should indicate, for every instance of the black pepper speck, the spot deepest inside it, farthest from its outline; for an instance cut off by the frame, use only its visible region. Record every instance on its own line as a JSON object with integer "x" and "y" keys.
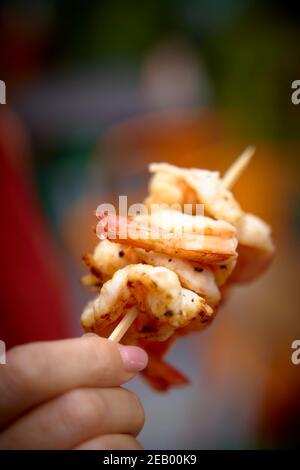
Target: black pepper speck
{"x": 168, "y": 313}
{"x": 198, "y": 270}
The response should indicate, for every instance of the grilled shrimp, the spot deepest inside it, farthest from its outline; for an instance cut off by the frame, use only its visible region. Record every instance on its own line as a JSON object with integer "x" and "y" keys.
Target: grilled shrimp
{"x": 106, "y": 260}
{"x": 176, "y": 185}
{"x": 108, "y": 257}
{"x": 256, "y": 249}
{"x": 172, "y": 184}
{"x": 163, "y": 304}
{"x": 173, "y": 233}
{"x": 166, "y": 187}
{"x": 192, "y": 276}
{"x": 186, "y": 259}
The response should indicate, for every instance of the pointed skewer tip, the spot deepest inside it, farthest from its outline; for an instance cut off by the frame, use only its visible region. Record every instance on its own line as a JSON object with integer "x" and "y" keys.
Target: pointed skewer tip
{"x": 238, "y": 167}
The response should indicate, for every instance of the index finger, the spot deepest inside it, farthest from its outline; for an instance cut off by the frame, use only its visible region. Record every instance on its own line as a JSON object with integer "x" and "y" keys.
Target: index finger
{"x": 38, "y": 372}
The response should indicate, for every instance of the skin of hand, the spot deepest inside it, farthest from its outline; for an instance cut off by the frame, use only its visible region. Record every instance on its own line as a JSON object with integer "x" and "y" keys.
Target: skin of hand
{"x": 67, "y": 394}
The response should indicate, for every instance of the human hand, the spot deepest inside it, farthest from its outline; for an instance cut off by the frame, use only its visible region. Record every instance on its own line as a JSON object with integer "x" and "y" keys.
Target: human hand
{"x": 66, "y": 395}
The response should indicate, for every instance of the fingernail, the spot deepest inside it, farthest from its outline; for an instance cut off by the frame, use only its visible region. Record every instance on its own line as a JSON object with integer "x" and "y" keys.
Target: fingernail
{"x": 86, "y": 335}
{"x": 134, "y": 358}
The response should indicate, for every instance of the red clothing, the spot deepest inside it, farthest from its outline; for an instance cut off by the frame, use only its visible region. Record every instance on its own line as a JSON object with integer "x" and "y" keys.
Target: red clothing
{"x": 33, "y": 303}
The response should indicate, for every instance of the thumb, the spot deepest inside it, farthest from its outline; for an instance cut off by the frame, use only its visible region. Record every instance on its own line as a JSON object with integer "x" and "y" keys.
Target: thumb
{"x": 119, "y": 361}
{"x": 134, "y": 358}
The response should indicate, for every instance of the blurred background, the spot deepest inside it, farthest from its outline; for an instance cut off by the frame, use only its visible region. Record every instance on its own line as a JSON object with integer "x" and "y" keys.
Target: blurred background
{"x": 96, "y": 91}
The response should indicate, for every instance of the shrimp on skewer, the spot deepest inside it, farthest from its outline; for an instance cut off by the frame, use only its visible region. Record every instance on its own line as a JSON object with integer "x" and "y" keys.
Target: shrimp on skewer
{"x": 162, "y": 274}
{"x": 192, "y": 276}
{"x": 256, "y": 248}
{"x": 109, "y": 257}
{"x": 156, "y": 292}
{"x": 206, "y": 187}
{"x": 164, "y": 308}
{"x": 106, "y": 259}
{"x": 195, "y": 238}
{"x": 175, "y": 185}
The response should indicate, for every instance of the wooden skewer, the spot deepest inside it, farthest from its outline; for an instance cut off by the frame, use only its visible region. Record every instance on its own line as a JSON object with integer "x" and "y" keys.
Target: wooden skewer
{"x": 229, "y": 179}
{"x": 124, "y": 325}
{"x": 236, "y": 169}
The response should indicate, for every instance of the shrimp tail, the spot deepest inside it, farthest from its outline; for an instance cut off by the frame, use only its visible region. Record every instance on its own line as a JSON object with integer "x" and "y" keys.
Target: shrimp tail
{"x": 158, "y": 373}
{"x": 162, "y": 376}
